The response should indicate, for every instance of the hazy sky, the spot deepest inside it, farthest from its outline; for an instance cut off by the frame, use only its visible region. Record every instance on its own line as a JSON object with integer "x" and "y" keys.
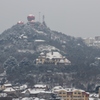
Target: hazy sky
{"x": 79, "y": 18}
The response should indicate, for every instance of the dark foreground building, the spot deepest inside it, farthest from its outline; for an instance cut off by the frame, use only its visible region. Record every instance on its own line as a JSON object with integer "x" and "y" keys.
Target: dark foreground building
{"x": 5, "y": 98}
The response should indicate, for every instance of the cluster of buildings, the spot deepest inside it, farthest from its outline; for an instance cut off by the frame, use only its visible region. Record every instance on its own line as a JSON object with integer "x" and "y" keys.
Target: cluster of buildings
{"x": 44, "y": 92}
{"x": 93, "y": 41}
{"x": 41, "y": 92}
{"x": 52, "y": 57}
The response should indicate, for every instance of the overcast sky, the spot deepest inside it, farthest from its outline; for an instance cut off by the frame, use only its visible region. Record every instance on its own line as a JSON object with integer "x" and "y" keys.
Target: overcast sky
{"x": 79, "y": 18}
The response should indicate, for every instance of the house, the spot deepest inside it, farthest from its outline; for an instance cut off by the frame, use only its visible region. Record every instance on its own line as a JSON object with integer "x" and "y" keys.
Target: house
{"x": 40, "y": 93}
{"x": 53, "y": 57}
{"x": 41, "y": 86}
{"x": 4, "y": 86}
{"x": 10, "y": 92}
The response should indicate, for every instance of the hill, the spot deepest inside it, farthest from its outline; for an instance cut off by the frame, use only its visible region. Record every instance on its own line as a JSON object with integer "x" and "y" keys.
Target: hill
{"x": 21, "y": 45}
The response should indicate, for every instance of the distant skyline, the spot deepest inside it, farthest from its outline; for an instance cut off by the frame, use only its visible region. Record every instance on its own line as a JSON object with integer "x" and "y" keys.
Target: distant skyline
{"x": 79, "y": 18}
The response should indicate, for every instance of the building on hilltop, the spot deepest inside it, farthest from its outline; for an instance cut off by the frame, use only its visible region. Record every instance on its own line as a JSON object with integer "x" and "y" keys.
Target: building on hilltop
{"x": 52, "y": 57}
{"x": 97, "y": 38}
{"x": 89, "y": 41}
{"x": 92, "y": 41}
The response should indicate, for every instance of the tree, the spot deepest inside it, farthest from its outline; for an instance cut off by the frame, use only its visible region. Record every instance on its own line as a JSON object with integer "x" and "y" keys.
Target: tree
{"x": 25, "y": 65}
{"x": 10, "y": 64}
{"x": 12, "y": 67}
{"x": 30, "y": 79}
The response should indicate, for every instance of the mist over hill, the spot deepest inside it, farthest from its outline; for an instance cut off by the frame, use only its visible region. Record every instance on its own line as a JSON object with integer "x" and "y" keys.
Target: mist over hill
{"x": 21, "y": 45}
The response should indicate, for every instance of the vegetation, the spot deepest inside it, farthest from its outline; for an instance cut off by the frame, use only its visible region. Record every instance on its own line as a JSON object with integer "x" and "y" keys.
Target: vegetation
{"x": 18, "y": 52}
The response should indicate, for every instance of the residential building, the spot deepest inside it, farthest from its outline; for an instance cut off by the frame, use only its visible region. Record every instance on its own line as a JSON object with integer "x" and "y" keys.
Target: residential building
{"x": 92, "y": 41}
{"x": 40, "y": 93}
{"x": 7, "y": 85}
{"x": 52, "y": 57}
{"x": 89, "y": 41}
{"x": 72, "y": 94}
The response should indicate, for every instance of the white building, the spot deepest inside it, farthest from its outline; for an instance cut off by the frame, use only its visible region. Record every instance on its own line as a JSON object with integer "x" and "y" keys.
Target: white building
{"x": 52, "y": 58}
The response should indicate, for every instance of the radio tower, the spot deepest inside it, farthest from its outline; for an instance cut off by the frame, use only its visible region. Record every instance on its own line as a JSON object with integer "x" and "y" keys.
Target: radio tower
{"x": 44, "y": 20}
{"x": 39, "y": 16}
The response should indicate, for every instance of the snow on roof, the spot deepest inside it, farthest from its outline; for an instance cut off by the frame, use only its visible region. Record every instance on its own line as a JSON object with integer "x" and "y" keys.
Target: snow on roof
{"x": 67, "y": 61}
{"x": 16, "y": 99}
{"x": 46, "y": 48}
{"x": 61, "y": 61}
{"x": 10, "y": 89}
{"x": 36, "y": 99}
{"x": 34, "y": 91}
{"x": 88, "y": 93}
{"x": 23, "y": 87}
{"x": 97, "y": 58}
{"x": 73, "y": 89}
{"x": 91, "y": 98}
{"x": 60, "y": 90}
{"x": 78, "y": 90}
{"x": 26, "y": 91}
{"x": 69, "y": 89}
{"x": 41, "y": 53}
{"x": 27, "y": 98}
{"x": 51, "y": 55}
{"x": 7, "y": 85}
{"x": 57, "y": 88}
{"x": 47, "y": 92}
{"x": 37, "y": 59}
{"x": 94, "y": 95}
{"x": 40, "y": 32}
{"x": 40, "y": 86}
{"x": 39, "y": 40}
